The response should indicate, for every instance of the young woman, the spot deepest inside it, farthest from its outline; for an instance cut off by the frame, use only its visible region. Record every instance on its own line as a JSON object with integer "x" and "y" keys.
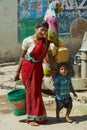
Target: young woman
{"x": 34, "y": 49}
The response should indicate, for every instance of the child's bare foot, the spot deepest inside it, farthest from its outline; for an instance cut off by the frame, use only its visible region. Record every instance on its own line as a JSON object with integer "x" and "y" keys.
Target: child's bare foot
{"x": 68, "y": 119}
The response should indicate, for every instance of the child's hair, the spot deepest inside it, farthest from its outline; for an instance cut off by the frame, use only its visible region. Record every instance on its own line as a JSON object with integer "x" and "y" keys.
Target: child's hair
{"x": 62, "y": 64}
{"x": 42, "y": 23}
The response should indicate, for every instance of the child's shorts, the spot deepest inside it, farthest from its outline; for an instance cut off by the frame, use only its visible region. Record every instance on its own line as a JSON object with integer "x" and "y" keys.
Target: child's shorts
{"x": 67, "y": 103}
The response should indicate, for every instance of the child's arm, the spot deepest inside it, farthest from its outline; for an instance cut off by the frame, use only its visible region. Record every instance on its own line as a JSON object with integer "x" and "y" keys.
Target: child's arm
{"x": 72, "y": 89}
{"x": 75, "y": 95}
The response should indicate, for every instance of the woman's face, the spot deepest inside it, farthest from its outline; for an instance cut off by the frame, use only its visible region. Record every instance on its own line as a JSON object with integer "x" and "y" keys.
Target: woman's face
{"x": 41, "y": 32}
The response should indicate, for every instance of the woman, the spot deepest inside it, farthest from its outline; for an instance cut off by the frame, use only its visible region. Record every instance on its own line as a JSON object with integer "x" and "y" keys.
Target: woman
{"x": 34, "y": 49}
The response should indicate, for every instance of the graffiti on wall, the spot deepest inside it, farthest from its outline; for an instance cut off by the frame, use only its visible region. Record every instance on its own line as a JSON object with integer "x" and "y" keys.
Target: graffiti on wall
{"x": 32, "y": 10}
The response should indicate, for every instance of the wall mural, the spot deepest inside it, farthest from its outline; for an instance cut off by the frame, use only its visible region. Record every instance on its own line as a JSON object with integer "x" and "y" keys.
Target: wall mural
{"x": 29, "y": 11}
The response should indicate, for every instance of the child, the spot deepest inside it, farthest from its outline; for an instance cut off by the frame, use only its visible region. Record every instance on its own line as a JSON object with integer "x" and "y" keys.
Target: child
{"x": 62, "y": 87}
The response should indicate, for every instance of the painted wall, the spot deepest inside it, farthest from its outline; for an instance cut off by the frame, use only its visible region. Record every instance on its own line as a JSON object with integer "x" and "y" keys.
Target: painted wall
{"x": 9, "y": 46}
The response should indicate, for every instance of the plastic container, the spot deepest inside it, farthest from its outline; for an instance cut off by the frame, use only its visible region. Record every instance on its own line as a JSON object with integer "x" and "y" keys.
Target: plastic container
{"x": 17, "y": 101}
{"x": 62, "y": 55}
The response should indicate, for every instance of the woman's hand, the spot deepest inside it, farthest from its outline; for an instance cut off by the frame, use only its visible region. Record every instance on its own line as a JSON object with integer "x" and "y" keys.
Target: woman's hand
{"x": 17, "y": 76}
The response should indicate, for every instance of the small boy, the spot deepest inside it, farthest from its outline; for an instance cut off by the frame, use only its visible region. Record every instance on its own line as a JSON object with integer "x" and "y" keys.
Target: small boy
{"x": 62, "y": 87}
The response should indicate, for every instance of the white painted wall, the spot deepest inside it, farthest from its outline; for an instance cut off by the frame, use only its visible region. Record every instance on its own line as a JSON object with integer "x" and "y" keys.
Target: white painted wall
{"x": 9, "y": 46}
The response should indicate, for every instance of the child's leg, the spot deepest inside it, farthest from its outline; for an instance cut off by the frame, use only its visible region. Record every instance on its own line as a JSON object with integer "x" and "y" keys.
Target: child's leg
{"x": 68, "y": 111}
{"x": 57, "y": 113}
{"x": 68, "y": 106}
{"x": 59, "y": 106}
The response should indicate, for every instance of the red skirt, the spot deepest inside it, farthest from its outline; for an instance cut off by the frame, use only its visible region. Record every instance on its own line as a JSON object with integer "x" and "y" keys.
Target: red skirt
{"x": 32, "y": 75}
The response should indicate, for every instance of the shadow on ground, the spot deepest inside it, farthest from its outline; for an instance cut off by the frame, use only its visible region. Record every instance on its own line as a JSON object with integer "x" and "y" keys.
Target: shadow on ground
{"x": 53, "y": 120}
{"x": 76, "y": 119}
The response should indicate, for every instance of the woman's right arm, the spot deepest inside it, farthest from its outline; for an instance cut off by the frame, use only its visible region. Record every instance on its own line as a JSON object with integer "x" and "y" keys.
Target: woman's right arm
{"x": 17, "y": 75}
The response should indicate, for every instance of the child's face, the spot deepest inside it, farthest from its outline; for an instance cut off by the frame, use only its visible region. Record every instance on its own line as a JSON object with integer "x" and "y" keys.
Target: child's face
{"x": 63, "y": 71}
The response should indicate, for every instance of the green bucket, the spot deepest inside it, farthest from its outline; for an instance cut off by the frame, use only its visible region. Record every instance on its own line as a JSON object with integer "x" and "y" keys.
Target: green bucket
{"x": 17, "y": 101}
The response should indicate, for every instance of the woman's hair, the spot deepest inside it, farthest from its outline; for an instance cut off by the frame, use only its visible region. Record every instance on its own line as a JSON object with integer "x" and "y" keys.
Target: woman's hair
{"x": 42, "y": 23}
{"x": 63, "y": 64}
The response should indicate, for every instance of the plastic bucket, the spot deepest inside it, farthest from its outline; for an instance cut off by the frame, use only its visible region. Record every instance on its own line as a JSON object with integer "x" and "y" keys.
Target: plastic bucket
{"x": 17, "y": 101}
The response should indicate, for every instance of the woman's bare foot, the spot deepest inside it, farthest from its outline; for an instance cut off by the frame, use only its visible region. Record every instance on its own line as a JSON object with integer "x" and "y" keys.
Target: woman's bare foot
{"x": 33, "y": 123}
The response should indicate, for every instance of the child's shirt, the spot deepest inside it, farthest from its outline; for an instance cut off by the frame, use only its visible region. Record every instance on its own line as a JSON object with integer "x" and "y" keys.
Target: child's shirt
{"x": 63, "y": 87}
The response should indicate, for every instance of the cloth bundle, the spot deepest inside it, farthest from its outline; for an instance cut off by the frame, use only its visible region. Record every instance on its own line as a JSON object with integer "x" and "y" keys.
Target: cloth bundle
{"x": 51, "y": 18}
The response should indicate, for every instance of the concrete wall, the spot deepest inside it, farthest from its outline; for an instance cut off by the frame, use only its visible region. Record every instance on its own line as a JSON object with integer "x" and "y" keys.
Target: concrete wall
{"x": 9, "y": 46}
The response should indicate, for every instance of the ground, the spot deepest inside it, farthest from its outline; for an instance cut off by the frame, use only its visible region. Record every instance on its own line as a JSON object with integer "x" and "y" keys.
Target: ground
{"x": 8, "y": 121}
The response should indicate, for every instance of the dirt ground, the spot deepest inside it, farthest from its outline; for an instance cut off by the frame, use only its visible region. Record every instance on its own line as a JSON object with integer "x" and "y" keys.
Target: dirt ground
{"x": 49, "y": 102}
{"x": 8, "y": 121}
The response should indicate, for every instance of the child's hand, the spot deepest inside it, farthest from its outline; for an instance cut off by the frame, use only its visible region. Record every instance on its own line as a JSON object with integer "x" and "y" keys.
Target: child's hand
{"x": 75, "y": 95}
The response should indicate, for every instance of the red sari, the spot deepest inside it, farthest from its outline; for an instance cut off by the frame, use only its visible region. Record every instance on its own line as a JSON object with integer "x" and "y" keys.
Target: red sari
{"x": 32, "y": 74}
